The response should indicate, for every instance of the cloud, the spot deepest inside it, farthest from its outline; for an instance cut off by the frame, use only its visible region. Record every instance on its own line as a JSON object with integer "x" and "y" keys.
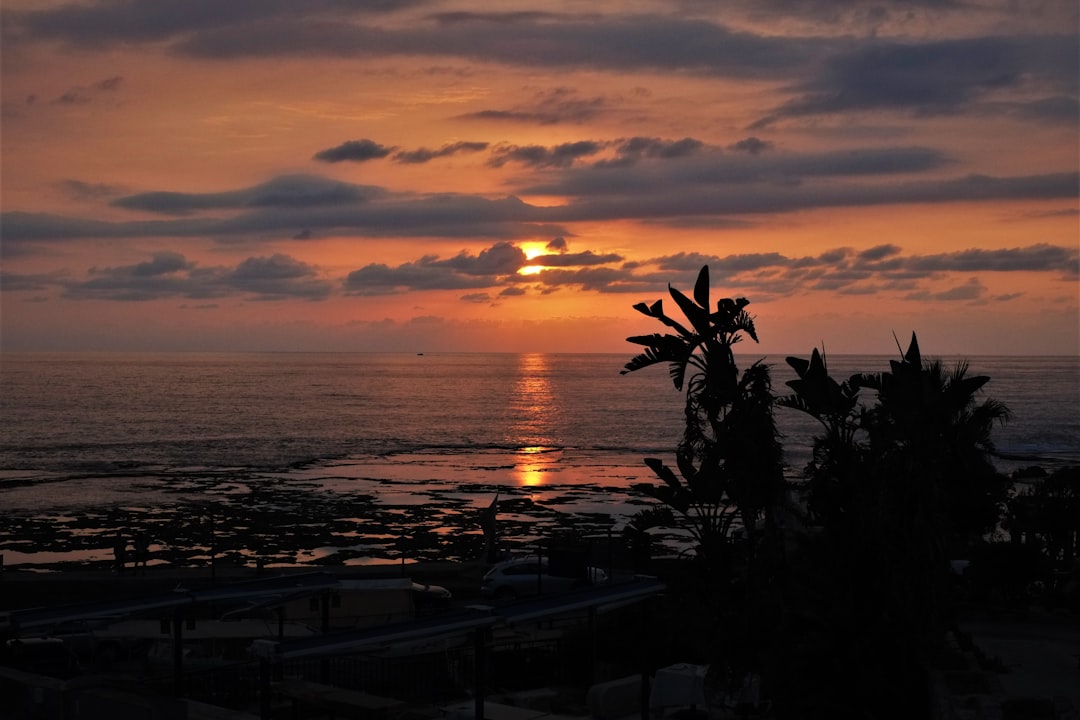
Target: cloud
{"x": 779, "y": 173}
{"x": 276, "y": 277}
{"x": 353, "y": 151}
{"x": 285, "y": 191}
{"x": 424, "y": 274}
{"x": 879, "y": 252}
{"x": 372, "y": 215}
{"x": 171, "y": 275}
{"x": 553, "y": 107}
{"x": 716, "y": 186}
{"x": 512, "y": 292}
{"x": 565, "y": 259}
{"x": 477, "y": 298}
{"x": 493, "y": 271}
{"x": 80, "y": 190}
{"x": 109, "y": 84}
{"x": 656, "y": 197}
{"x": 540, "y": 156}
{"x": 878, "y": 269}
{"x": 1036, "y": 258}
{"x": 751, "y": 145}
{"x": 596, "y": 279}
{"x": 557, "y": 245}
{"x": 940, "y": 77}
{"x": 80, "y": 95}
{"x": 500, "y": 259}
{"x": 97, "y": 24}
{"x": 972, "y": 290}
{"x": 163, "y": 263}
{"x": 618, "y": 43}
{"x": 463, "y": 271}
{"x": 632, "y": 150}
{"x": 20, "y": 282}
{"x": 423, "y": 155}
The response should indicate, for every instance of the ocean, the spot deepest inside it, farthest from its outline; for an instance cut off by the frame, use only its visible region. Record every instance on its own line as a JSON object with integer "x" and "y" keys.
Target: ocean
{"x": 359, "y": 458}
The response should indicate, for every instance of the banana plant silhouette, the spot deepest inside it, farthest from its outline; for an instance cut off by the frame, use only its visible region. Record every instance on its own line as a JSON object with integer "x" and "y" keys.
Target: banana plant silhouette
{"x": 729, "y": 459}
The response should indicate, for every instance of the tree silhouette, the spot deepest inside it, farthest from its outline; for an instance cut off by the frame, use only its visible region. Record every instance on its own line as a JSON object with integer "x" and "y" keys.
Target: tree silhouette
{"x": 730, "y": 473}
{"x": 729, "y": 458}
{"x": 900, "y": 477}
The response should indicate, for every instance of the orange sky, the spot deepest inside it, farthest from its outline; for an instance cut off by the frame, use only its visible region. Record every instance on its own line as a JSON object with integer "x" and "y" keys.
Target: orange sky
{"x": 362, "y": 175}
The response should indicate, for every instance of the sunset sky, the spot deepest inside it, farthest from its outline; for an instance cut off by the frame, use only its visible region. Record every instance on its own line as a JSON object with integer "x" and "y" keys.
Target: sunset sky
{"x": 441, "y": 175}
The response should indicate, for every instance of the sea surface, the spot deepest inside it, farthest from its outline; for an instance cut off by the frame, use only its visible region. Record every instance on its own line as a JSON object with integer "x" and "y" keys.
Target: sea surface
{"x": 86, "y": 434}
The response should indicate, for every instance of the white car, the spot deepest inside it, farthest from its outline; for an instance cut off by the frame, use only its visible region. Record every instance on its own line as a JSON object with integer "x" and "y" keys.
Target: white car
{"x": 522, "y": 577}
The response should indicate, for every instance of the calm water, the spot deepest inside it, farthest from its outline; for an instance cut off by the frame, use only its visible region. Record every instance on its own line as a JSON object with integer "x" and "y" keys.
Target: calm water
{"x": 100, "y": 430}
{"x": 93, "y": 413}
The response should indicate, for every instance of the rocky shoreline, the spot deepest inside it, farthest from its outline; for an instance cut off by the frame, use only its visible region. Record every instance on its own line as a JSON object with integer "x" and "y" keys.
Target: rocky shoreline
{"x": 284, "y": 522}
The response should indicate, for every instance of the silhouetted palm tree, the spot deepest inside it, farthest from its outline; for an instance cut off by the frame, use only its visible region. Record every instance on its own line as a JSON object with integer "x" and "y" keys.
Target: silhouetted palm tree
{"x": 895, "y": 480}
{"x": 729, "y": 459}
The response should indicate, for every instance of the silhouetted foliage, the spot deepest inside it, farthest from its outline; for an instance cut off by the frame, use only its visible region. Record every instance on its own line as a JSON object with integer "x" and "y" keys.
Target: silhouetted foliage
{"x": 729, "y": 459}
{"x": 730, "y": 469}
{"x": 1047, "y": 513}
{"x": 900, "y": 477}
{"x": 842, "y": 619}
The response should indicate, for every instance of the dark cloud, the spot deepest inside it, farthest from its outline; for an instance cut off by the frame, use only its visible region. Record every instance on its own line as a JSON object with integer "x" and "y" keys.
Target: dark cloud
{"x": 476, "y": 298}
{"x": 688, "y": 173}
{"x": 277, "y": 277}
{"x": 500, "y": 259}
{"x": 634, "y": 149}
{"x": 1055, "y": 109}
{"x": 751, "y": 145}
{"x": 596, "y": 279}
{"x": 461, "y": 272}
{"x": 491, "y": 267}
{"x": 708, "y": 186}
{"x": 493, "y": 271}
{"x": 171, "y": 275}
{"x": 557, "y": 245}
{"x": 286, "y": 191}
{"x": 353, "y": 151}
{"x": 972, "y": 290}
{"x": 162, "y": 263}
{"x": 501, "y": 18}
{"x": 80, "y": 190}
{"x": 420, "y": 216}
{"x": 1035, "y": 258}
{"x": 645, "y": 198}
{"x": 883, "y": 268}
{"x": 137, "y": 21}
{"x": 109, "y": 84}
{"x": 72, "y": 97}
{"x": 560, "y": 105}
{"x": 540, "y": 156}
{"x": 879, "y": 252}
{"x": 423, "y": 155}
{"x": 619, "y": 44}
{"x": 80, "y": 95}
{"x": 933, "y": 78}
{"x": 565, "y": 259}
{"x": 16, "y": 282}
{"x": 424, "y": 274}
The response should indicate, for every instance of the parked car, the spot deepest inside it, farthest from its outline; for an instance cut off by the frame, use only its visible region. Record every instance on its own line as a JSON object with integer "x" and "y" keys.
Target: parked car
{"x": 522, "y": 577}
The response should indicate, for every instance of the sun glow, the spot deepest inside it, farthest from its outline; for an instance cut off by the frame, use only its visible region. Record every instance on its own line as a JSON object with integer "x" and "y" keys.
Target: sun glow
{"x": 530, "y": 270}
{"x": 532, "y": 249}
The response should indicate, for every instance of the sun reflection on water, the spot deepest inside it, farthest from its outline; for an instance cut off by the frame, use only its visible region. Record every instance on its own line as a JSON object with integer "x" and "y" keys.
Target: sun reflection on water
{"x": 533, "y": 412}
